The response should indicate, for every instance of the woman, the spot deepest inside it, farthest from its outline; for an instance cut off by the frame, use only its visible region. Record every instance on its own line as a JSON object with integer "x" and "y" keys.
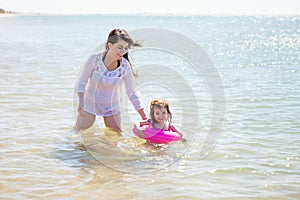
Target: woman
{"x": 99, "y": 79}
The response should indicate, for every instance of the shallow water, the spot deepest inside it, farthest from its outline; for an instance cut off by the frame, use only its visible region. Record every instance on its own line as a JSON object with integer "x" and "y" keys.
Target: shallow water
{"x": 256, "y": 157}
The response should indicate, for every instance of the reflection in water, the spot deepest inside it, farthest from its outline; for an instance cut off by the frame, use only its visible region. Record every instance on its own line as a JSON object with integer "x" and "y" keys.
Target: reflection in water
{"x": 129, "y": 153}
{"x": 115, "y": 155}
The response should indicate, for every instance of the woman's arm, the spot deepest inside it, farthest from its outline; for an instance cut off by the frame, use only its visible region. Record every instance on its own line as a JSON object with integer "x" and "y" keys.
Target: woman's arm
{"x": 142, "y": 114}
{"x": 132, "y": 93}
{"x": 85, "y": 74}
{"x": 141, "y": 123}
{"x": 82, "y": 80}
{"x": 81, "y": 103}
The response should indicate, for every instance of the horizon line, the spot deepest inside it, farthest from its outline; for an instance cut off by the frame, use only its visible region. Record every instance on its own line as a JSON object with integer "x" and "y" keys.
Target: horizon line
{"x": 16, "y": 13}
{"x": 10, "y": 12}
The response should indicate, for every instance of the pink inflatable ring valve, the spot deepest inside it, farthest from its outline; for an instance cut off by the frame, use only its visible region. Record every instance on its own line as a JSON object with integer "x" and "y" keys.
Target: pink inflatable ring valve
{"x": 157, "y": 135}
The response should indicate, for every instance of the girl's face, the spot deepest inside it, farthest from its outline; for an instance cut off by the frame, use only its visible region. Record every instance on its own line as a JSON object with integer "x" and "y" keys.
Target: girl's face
{"x": 118, "y": 49}
{"x": 160, "y": 115}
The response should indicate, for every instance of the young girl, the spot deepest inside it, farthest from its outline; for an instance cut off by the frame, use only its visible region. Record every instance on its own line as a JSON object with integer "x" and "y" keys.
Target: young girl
{"x": 161, "y": 117}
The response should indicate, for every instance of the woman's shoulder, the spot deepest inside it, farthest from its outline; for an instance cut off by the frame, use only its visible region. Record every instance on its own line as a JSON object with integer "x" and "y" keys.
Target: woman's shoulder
{"x": 96, "y": 55}
{"x": 94, "y": 58}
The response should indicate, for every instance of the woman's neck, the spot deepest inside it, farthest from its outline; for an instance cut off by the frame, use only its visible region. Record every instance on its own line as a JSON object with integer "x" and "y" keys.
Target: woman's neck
{"x": 110, "y": 63}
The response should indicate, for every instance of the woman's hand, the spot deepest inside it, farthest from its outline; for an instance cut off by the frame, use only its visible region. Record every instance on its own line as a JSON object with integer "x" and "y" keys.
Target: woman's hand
{"x": 139, "y": 129}
{"x": 140, "y": 133}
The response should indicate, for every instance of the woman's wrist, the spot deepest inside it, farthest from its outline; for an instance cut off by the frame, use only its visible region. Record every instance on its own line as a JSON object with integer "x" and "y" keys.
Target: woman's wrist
{"x": 81, "y": 96}
{"x": 144, "y": 118}
{"x": 142, "y": 114}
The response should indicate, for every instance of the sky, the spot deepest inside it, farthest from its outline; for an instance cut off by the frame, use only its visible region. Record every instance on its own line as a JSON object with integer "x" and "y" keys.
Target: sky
{"x": 186, "y": 7}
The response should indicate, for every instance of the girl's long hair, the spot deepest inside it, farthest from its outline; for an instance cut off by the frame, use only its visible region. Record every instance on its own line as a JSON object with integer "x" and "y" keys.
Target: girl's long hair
{"x": 159, "y": 103}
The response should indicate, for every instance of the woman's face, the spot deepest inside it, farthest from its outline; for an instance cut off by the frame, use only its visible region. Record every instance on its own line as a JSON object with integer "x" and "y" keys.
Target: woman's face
{"x": 118, "y": 49}
{"x": 160, "y": 115}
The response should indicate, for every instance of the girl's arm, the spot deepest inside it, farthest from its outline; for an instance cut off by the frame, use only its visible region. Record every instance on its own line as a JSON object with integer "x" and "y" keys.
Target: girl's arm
{"x": 173, "y": 128}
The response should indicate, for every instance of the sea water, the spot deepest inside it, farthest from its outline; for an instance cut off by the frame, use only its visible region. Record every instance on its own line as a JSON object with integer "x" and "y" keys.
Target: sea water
{"x": 255, "y": 154}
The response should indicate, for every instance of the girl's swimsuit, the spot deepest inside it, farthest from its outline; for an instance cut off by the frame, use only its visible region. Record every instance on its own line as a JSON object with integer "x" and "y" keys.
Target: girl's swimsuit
{"x": 152, "y": 126}
{"x": 102, "y": 87}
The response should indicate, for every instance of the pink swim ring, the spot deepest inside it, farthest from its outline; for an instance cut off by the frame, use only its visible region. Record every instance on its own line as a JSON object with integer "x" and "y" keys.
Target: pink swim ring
{"x": 158, "y": 136}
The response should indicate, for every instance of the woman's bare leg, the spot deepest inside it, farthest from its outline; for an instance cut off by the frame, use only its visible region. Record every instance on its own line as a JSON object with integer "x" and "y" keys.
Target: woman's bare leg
{"x": 113, "y": 121}
{"x": 85, "y": 120}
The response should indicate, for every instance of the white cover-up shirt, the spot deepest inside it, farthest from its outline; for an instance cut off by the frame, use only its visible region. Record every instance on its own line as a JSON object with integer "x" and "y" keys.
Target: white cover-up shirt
{"x": 100, "y": 86}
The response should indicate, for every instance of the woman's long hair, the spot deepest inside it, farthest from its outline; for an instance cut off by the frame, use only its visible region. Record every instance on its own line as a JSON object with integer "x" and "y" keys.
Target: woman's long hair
{"x": 120, "y": 34}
